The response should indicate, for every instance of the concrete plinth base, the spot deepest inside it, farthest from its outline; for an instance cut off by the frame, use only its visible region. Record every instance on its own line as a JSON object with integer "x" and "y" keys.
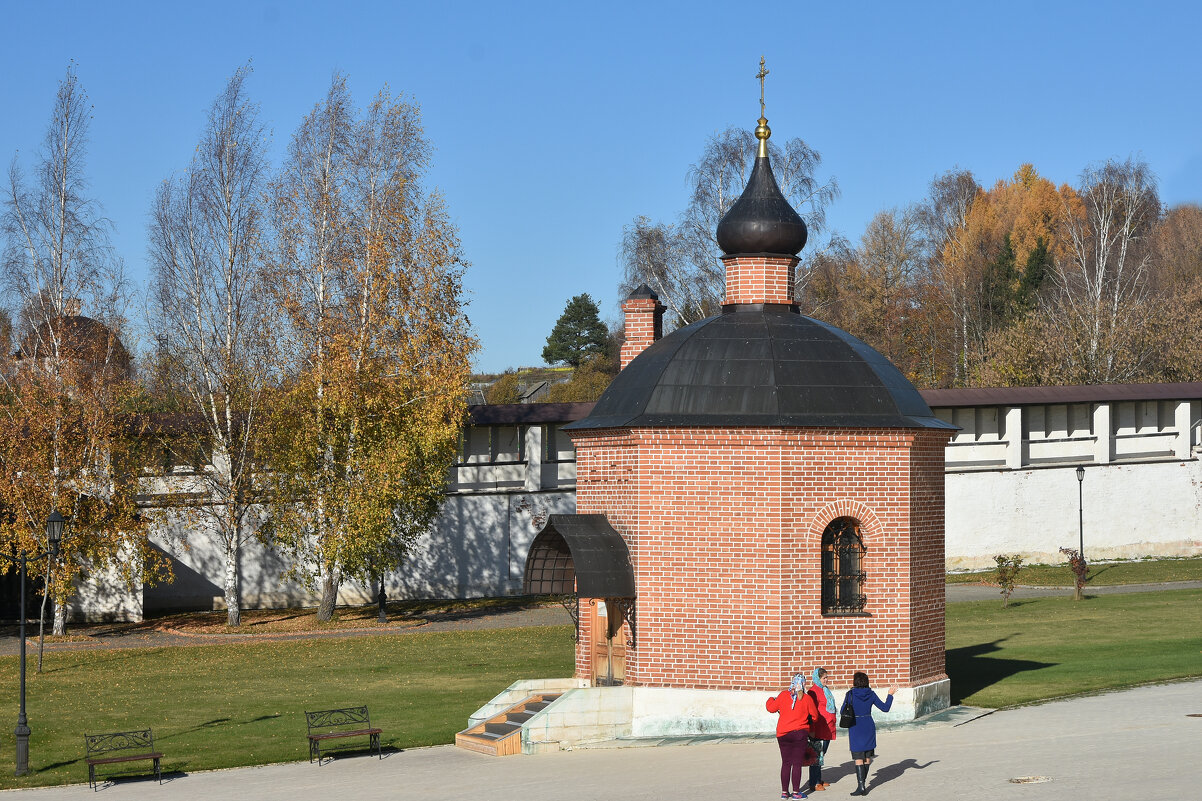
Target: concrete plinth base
{"x": 594, "y": 714}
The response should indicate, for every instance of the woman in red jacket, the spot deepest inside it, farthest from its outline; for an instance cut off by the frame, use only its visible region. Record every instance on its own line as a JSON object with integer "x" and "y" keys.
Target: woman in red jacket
{"x": 796, "y": 710}
{"x": 822, "y": 731}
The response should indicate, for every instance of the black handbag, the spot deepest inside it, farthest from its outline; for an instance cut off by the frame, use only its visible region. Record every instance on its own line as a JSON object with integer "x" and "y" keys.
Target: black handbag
{"x": 847, "y": 715}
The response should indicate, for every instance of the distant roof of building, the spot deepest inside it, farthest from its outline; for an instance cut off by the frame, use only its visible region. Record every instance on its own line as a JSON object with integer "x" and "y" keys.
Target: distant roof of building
{"x": 527, "y": 413}
{"x": 1026, "y": 396}
{"x": 82, "y": 338}
{"x": 536, "y": 413}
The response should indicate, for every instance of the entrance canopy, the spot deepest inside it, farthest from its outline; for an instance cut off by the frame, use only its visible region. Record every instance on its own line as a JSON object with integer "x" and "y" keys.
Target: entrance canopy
{"x": 581, "y": 555}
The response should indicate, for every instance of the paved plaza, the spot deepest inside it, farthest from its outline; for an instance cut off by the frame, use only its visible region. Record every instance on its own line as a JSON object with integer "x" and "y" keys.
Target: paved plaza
{"x": 1142, "y": 744}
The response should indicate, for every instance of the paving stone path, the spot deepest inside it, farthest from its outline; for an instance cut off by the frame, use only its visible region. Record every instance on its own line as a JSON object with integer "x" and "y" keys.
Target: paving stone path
{"x": 1134, "y": 745}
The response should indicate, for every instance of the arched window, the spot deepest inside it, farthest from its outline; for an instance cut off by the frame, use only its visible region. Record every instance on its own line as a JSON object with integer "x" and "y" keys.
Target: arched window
{"x": 842, "y": 568}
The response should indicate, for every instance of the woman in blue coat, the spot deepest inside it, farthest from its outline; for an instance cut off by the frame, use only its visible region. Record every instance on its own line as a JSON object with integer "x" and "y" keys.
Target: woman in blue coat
{"x": 862, "y": 736}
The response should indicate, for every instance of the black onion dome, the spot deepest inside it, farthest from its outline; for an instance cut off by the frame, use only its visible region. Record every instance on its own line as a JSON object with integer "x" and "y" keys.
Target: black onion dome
{"x": 761, "y": 220}
{"x": 760, "y": 367}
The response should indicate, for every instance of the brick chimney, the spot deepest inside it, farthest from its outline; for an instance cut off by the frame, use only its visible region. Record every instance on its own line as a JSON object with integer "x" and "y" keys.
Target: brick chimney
{"x": 644, "y": 322}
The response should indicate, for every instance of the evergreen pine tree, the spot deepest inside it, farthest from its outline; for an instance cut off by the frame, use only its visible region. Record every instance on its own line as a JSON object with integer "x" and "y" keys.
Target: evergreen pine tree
{"x": 1039, "y": 264}
{"x": 578, "y": 334}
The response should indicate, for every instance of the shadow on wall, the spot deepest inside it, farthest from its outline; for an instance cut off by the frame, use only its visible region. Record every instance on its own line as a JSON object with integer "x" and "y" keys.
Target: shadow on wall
{"x": 477, "y": 549}
{"x": 200, "y": 570}
{"x": 972, "y": 669}
{"x": 190, "y": 592}
{"x": 479, "y": 545}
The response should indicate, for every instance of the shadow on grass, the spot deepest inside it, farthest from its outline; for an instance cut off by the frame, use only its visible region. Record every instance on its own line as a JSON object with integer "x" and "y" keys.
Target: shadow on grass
{"x": 280, "y": 619}
{"x": 66, "y": 763}
{"x": 208, "y": 724}
{"x": 972, "y": 669}
{"x": 890, "y": 772}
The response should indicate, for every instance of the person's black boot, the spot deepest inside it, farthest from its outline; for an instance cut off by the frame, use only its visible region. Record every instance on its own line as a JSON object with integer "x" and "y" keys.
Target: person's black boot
{"x": 861, "y": 776}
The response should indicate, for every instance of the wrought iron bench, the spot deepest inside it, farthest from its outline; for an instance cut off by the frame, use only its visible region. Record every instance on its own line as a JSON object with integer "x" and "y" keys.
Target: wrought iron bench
{"x": 332, "y": 724}
{"x": 122, "y": 746}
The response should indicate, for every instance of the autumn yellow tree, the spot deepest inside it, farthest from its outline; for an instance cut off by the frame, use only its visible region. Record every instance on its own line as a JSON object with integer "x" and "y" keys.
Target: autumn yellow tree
{"x": 992, "y": 253}
{"x": 1100, "y": 320}
{"x": 64, "y": 442}
{"x": 375, "y": 346}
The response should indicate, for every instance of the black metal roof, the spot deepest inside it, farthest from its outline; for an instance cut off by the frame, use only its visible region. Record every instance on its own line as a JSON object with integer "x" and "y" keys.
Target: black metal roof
{"x": 761, "y": 220}
{"x": 600, "y": 558}
{"x": 760, "y": 366}
{"x": 641, "y": 292}
{"x": 526, "y": 413}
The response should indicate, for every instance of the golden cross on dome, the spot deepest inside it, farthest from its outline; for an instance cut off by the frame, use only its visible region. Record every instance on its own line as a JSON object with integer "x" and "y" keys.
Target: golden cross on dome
{"x": 763, "y": 73}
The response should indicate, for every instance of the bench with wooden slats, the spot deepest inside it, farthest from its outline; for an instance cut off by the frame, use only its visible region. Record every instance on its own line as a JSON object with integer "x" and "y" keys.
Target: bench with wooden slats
{"x": 118, "y": 747}
{"x": 336, "y": 724}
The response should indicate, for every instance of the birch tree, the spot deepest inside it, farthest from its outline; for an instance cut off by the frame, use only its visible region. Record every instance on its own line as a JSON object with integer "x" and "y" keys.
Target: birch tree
{"x": 63, "y": 442}
{"x": 1103, "y": 282}
{"x": 208, "y": 314}
{"x": 945, "y": 218}
{"x": 681, "y": 261}
{"x": 375, "y": 346}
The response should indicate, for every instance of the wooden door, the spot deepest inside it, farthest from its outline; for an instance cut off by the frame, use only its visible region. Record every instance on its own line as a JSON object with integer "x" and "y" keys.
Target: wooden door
{"x": 608, "y": 646}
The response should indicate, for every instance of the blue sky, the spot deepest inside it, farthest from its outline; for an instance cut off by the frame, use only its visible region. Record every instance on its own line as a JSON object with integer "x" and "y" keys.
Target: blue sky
{"x": 557, "y": 123}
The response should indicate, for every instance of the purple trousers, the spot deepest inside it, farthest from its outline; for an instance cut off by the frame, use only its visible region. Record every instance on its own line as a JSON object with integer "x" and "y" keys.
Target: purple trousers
{"x": 793, "y": 747}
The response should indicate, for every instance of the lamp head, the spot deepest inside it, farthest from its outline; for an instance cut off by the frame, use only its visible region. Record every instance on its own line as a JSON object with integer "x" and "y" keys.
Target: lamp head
{"x": 54, "y": 531}
{"x": 1080, "y": 473}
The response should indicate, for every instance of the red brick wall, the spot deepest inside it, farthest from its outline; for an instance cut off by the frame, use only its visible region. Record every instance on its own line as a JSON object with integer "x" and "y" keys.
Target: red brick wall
{"x": 759, "y": 279}
{"x": 725, "y": 528}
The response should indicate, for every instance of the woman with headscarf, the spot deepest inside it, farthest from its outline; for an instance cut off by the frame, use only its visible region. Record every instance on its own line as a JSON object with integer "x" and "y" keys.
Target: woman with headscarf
{"x": 862, "y": 736}
{"x": 822, "y": 730}
{"x": 796, "y": 710}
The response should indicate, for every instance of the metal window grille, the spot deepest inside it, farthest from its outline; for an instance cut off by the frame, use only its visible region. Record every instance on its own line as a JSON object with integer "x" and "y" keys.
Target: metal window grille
{"x": 843, "y": 568}
{"x": 549, "y": 568}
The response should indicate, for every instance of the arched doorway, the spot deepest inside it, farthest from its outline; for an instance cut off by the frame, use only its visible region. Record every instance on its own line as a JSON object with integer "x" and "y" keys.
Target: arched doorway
{"x": 582, "y": 558}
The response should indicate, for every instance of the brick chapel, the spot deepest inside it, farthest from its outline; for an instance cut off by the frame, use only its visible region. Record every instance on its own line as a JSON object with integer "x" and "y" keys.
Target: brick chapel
{"x": 758, "y": 493}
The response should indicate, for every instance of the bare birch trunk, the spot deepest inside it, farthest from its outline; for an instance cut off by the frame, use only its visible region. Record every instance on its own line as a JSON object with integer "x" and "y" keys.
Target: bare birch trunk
{"x": 60, "y": 619}
{"x": 233, "y": 593}
{"x": 329, "y": 596}
{"x": 42, "y": 620}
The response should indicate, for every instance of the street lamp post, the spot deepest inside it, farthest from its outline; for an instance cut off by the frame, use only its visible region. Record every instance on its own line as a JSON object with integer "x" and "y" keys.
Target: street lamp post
{"x": 54, "y": 537}
{"x": 1081, "y": 511}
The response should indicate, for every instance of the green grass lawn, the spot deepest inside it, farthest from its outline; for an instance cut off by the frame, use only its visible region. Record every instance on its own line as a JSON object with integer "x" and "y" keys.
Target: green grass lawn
{"x": 235, "y": 704}
{"x": 242, "y": 703}
{"x": 1043, "y": 648}
{"x": 1141, "y": 572}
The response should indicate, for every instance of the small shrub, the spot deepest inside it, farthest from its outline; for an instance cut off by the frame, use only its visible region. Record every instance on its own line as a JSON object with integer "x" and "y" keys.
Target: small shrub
{"x": 1006, "y": 574}
{"x": 1080, "y": 568}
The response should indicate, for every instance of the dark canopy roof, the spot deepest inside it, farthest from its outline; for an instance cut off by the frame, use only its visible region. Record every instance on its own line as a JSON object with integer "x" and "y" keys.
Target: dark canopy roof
{"x": 760, "y": 366}
{"x": 599, "y": 559}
